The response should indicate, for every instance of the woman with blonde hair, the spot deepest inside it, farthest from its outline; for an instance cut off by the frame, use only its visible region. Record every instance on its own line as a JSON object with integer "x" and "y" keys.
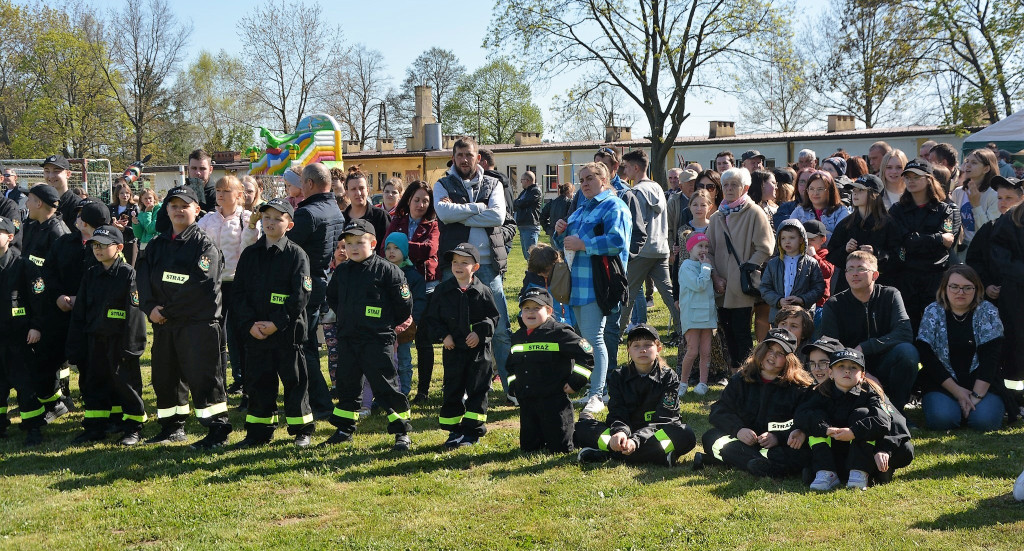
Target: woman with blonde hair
{"x": 891, "y": 174}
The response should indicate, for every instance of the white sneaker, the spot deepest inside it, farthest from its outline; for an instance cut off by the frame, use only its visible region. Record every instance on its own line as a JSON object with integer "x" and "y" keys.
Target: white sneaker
{"x": 582, "y": 400}
{"x": 683, "y": 387}
{"x": 364, "y": 413}
{"x": 1018, "y": 488}
{"x": 701, "y": 389}
{"x": 858, "y": 480}
{"x": 650, "y": 304}
{"x": 825, "y": 481}
{"x": 594, "y": 405}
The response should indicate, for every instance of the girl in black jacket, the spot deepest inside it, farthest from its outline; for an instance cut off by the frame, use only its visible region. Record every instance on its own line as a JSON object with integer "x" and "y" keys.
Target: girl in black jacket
{"x": 869, "y": 229}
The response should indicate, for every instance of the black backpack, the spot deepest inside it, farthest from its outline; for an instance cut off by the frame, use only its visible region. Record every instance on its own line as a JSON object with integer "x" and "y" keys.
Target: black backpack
{"x": 609, "y": 278}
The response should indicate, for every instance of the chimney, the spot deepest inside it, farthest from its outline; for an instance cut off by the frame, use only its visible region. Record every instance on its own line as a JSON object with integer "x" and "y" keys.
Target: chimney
{"x": 385, "y": 144}
{"x": 352, "y": 146}
{"x": 841, "y": 123}
{"x": 527, "y": 138}
{"x": 617, "y": 133}
{"x": 423, "y": 115}
{"x": 722, "y": 129}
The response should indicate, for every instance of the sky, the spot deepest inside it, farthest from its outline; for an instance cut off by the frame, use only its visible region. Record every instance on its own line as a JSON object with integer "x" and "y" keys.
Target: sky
{"x": 402, "y": 29}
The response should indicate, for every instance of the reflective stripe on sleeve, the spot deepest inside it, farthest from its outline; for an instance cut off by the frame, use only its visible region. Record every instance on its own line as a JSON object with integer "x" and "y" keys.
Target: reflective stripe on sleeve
{"x": 604, "y": 439}
{"x": 1013, "y": 385}
{"x": 665, "y": 441}
{"x": 580, "y": 370}
{"x": 815, "y": 440}
{"x": 510, "y": 379}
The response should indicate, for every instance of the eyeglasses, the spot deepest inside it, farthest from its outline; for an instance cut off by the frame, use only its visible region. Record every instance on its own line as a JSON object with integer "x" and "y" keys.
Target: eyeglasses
{"x": 859, "y": 271}
{"x": 965, "y": 289}
{"x": 823, "y": 364}
{"x": 704, "y": 186}
{"x": 606, "y": 151}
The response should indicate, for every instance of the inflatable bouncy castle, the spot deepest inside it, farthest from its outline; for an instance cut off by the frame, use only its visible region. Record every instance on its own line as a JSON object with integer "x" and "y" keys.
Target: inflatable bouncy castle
{"x": 317, "y": 138}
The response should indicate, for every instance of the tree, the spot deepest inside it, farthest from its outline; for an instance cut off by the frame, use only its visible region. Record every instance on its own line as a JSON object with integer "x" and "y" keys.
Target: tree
{"x": 145, "y": 49}
{"x": 585, "y": 110}
{"x": 16, "y": 84}
{"x": 494, "y": 102}
{"x": 775, "y": 92}
{"x": 361, "y": 85}
{"x": 868, "y": 56}
{"x": 441, "y": 70}
{"x": 205, "y": 98}
{"x": 289, "y": 49}
{"x": 658, "y": 52}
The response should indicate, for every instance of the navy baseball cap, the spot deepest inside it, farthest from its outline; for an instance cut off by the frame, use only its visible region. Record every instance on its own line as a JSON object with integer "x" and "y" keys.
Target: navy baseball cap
{"x": 359, "y": 227}
{"x": 185, "y": 193}
{"x": 279, "y": 204}
{"x": 919, "y": 166}
{"x": 846, "y": 355}
{"x": 828, "y": 345}
{"x": 869, "y": 182}
{"x": 783, "y": 338}
{"x": 107, "y": 235}
{"x": 814, "y": 228}
{"x": 539, "y": 295}
{"x": 464, "y": 249}
{"x": 8, "y": 226}
{"x": 46, "y": 193}
{"x": 643, "y": 331}
{"x": 56, "y": 160}
{"x": 93, "y": 212}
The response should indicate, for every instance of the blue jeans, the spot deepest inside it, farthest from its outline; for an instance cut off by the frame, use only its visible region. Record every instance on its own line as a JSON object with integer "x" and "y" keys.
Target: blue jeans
{"x": 897, "y": 371}
{"x": 404, "y": 354}
{"x": 942, "y": 412}
{"x": 592, "y": 327}
{"x": 501, "y": 342}
{"x": 639, "y": 314}
{"x": 528, "y": 236}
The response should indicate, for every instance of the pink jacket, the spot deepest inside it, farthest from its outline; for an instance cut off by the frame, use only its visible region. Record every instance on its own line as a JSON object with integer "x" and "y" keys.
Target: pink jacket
{"x": 231, "y": 234}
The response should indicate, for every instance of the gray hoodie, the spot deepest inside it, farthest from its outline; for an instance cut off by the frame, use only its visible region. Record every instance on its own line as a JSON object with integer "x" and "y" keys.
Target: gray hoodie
{"x": 653, "y": 207}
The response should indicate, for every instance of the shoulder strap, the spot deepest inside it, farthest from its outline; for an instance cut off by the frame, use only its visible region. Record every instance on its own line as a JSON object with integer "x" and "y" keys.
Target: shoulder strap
{"x": 732, "y": 251}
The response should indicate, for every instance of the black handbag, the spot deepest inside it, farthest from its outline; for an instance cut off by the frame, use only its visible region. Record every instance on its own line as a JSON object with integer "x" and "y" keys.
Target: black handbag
{"x": 610, "y": 286}
{"x": 750, "y": 274}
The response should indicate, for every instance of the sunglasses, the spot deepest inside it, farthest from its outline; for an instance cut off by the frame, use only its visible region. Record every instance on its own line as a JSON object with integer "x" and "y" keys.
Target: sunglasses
{"x": 606, "y": 151}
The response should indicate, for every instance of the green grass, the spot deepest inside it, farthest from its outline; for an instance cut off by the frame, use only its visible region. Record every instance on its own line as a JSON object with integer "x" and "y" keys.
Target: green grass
{"x": 954, "y": 496}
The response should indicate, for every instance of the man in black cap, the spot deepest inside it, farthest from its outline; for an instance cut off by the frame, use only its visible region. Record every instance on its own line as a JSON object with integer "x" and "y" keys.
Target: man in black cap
{"x": 57, "y": 171}
{"x": 63, "y": 270}
{"x": 109, "y": 338}
{"x": 752, "y": 160}
{"x": 370, "y": 297}
{"x": 43, "y": 227}
{"x": 318, "y": 224}
{"x": 179, "y": 289}
{"x": 272, "y": 287}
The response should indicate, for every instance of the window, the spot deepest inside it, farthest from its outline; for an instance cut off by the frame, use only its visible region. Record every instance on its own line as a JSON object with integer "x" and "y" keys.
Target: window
{"x": 551, "y": 178}
{"x": 531, "y": 168}
{"x": 513, "y": 175}
{"x": 383, "y": 179}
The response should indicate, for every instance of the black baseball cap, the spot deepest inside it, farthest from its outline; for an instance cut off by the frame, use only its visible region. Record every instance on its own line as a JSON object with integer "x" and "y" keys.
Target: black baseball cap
{"x": 642, "y": 331}
{"x": 56, "y": 160}
{"x": 846, "y": 355}
{"x": 783, "y": 338}
{"x": 869, "y": 182}
{"x": 94, "y": 213}
{"x": 539, "y": 295}
{"x": 751, "y": 154}
{"x": 359, "y": 227}
{"x": 814, "y": 228}
{"x": 8, "y": 226}
{"x": 46, "y": 193}
{"x": 107, "y": 235}
{"x": 1002, "y": 182}
{"x": 919, "y": 166}
{"x": 463, "y": 249}
{"x": 185, "y": 193}
{"x": 828, "y": 345}
{"x": 280, "y": 205}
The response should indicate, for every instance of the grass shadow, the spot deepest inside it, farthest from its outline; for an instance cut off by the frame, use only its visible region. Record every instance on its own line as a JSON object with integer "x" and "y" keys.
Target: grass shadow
{"x": 1001, "y": 509}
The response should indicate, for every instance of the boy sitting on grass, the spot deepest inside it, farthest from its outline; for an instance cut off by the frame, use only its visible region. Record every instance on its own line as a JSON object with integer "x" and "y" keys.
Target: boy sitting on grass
{"x": 548, "y": 362}
{"x": 643, "y": 424}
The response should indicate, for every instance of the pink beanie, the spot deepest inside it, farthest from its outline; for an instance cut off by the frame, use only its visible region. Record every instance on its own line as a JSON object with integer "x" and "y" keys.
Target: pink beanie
{"x": 694, "y": 239}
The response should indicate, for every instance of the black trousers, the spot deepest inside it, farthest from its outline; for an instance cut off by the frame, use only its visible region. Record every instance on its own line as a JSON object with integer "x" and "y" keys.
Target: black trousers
{"x": 918, "y": 289}
{"x": 424, "y": 361}
{"x": 111, "y": 386}
{"x": 736, "y": 326}
{"x": 654, "y": 442}
{"x": 319, "y": 392}
{"x": 264, "y": 367}
{"x": 829, "y": 454}
{"x": 187, "y": 357}
{"x": 467, "y": 372}
{"x": 373, "y": 359}
{"x": 51, "y": 374}
{"x": 16, "y": 373}
{"x": 546, "y": 423}
{"x": 719, "y": 446}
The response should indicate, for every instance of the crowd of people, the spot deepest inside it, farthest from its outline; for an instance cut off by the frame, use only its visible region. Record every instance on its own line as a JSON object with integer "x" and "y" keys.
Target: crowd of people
{"x": 869, "y": 285}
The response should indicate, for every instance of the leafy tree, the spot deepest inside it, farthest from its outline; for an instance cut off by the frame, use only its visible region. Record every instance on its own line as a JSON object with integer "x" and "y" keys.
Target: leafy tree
{"x": 494, "y": 102}
{"x": 775, "y": 90}
{"x": 361, "y": 85}
{"x": 206, "y": 100}
{"x": 585, "y": 110}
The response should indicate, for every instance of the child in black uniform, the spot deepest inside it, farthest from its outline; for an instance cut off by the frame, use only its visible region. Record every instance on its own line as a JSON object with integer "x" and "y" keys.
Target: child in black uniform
{"x": 643, "y": 424}
{"x": 109, "y": 337}
{"x": 548, "y": 362}
{"x": 21, "y": 315}
{"x": 849, "y": 427}
{"x": 179, "y": 284}
{"x": 462, "y": 315}
{"x": 272, "y": 286}
{"x": 370, "y": 297}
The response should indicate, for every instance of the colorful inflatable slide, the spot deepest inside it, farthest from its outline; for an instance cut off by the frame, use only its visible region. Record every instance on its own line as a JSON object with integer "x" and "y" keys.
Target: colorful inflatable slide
{"x": 317, "y": 138}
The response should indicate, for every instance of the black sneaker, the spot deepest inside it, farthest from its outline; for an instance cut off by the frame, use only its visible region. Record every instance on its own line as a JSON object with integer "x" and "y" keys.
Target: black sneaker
{"x": 761, "y": 466}
{"x": 168, "y": 435}
{"x": 251, "y": 441}
{"x": 469, "y": 440}
{"x": 89, "y": 437}
{"x": 592, "y": 455}
{"x": 217, "y": 437}
{"x": 59, "y": 410}
{"x": 339, "y": 437}
{"x": 34, "y": 437}
{"x": 302, "y": 440}
{"x": 453, "y": 441}
{"x": 673, "y": 339}
{"x": 698, "y": 461}
{"x": 235, "y": 388}
{"x": 402, "y": 443}
{"x": 130, "y": 438}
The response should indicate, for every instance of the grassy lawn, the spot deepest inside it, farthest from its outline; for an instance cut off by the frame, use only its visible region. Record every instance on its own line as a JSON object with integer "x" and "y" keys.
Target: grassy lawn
{"x": 955, "y": 495}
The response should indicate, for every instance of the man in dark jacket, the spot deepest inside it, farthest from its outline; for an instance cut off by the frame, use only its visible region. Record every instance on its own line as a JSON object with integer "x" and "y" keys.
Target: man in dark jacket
{"x": 57, "y": 171}
{"x": 527, "y": 209}
{"x": 557, "y": 208}
{"x": 871, "y": 319}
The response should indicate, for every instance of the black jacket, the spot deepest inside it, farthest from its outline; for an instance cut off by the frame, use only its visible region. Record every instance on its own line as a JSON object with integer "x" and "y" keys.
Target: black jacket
{"x": 637, "y": 402}
{"x": 370, "y": 298}
{"x": 458, "y": 313}
{"x": 876, "y": 327}
{"x": 553, "y": 211}
{"x": 527, "y": 206}
{"x": 380, "y": 220}
{"x": 39, "y": 237}
{"x": 546, "y": 359}
{"x": 318, "y": 224}
{"x": 65, "y": 266}
{"x": 66, "y": 207}
{"x": 758, "y": 406}
{"x": 22, "y": 296}
{"x": 979, "y": 255}
{"x": 885, "y": 241}
{"x": 860, "y": 409}
{"x": 1007, "y": 250}
{"x": 183, "y": 276}
{"x": 509, "y": 228}
{"x": 9, "y": 209}
{"x": 272, "y": 286}
{"x": 921, "y": 230}
{"x": 107, "y": 305}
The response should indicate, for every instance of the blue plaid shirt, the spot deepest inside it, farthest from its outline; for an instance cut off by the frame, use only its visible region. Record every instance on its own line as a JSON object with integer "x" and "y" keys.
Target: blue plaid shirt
{"x": 618, "y": 229}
